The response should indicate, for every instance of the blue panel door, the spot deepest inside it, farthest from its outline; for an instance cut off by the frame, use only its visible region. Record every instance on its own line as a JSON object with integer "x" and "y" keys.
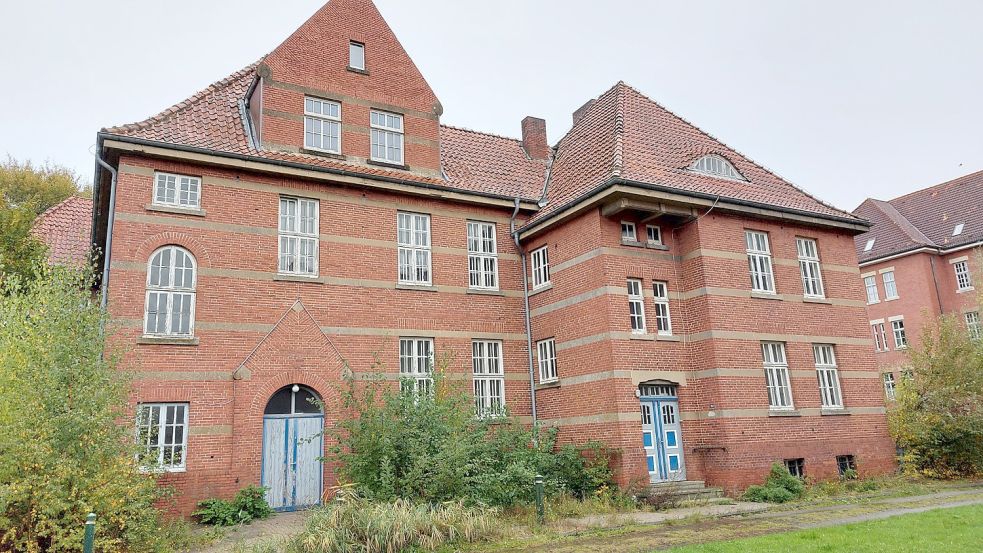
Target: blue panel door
{"x": 292, "y": 471}
{"x": 662, "y": 440}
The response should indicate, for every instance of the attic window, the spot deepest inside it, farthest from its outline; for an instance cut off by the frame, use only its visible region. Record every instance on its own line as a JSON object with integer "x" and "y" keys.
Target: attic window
{"x": 870, "y": 245}
{"x": 716, "y": 166}
{"x": 356, "y": 55}
{"x": 958, "y": 230}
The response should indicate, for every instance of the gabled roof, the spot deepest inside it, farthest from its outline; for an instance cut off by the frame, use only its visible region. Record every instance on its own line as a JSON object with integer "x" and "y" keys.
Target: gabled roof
{"x": 624, "y": 134}
{"x": 65, "y": 228}
{"x": 924, "y": 218}
{"x": 472, "y": 159}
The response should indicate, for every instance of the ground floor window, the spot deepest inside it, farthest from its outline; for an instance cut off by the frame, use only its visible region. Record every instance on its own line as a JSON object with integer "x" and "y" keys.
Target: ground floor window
{"x": 489, "y": 378}
{"x": 796, "y": 467}
{"x": 845, "y": 463}
{"x": 162, "y": 432}
{"x": 416, "y": 364}
{"x": 889, "y": 386}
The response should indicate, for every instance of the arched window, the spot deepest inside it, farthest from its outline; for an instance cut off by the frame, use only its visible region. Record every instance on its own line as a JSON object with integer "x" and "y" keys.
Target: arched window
{"x": 716, "y": 166}
{"x": 171, "y": 280}
{"x": 293, "y": 400}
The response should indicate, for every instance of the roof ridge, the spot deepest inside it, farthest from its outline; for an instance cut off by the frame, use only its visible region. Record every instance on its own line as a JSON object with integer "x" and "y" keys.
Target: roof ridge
{"x": 618, "y": 159}
{"x": 473, "y": 131}
{"x": 939, "y": 185}
{"x": 902, "y": 222}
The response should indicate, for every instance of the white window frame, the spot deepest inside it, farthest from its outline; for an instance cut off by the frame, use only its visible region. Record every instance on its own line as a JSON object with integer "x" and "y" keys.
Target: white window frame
{"x": 890, "y": 286}
{"x": 898, "y": 331}
{"x": 663, "y": 319}
{"x": 964, "y": 281}
{"x": 416, "y": 361}
{"x": 880, "y": 336}
{"x": 414, "y": 259}
{"x": 145, "y": 437}
{"x": 353, "y": 46}
{"x": 184, "y": 191}
{"x": 869, "y": 245}
{"x": 973, "y": 326}
{"x": 716, "y": 166}
{"x": 386, "y": 136}
{"x": 759, "y": 262}
{"x": 890, "y": 386}
{"x": 653, "y": 235}
{"x": 298, "y": 237}
{"x": 327, "y": 121}
{"x": 870, "y": 284}
{"x": 540, "y": 262}
{"x": 171, "y": 292}
{"x": 777, "y": 379}
{"x": 628, "y": 231}
{"x": 636, "y": 306}
{"x": 482, "y": 256}
{"x": 812, "y": 276}
{"x": 488, "y": 370}
{"x": 830, "y": 394}
{"x": 546, "y": 360}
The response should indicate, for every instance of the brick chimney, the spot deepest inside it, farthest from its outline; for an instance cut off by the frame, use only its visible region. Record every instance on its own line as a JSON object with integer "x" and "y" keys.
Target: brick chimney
{"x": 579, "y": 114}
{"x": 534, "y": 137}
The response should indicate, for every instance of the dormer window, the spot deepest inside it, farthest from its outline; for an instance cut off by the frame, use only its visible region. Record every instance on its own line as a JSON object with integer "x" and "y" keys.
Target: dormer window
{"x": 387, "y": 137}
{"x": 356, "y": 55}
{"x": 322, "y": 125}
{"x": 716, "y": 166}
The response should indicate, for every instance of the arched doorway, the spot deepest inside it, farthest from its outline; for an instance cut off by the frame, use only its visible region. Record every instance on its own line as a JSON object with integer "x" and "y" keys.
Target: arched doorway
{"x": 292, "y": 445}
{"x": 662, "y": 435}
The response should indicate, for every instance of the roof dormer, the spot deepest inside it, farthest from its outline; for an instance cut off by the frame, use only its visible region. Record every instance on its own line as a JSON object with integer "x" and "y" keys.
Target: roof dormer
{"x": 716, "y": 166}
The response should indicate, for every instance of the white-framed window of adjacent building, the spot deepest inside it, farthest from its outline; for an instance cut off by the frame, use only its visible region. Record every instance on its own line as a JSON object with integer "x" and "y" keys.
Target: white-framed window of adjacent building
{"x": 322, "y": 125}
{"x": 636, "y": 306}
{"x": 963, "y": 279}
{"x": 387, "y": 137}
{"x": 162, "y": 436}
{"x": 540, "y": 267}
{"x": 489, "y": 378}
{"x": 356, "y": 55}
{"x": 880, "y": 336}
{"x": 299, "y": 236}
{"x": 897, "y": 329}
{"x": 546, "y": 358}
{"x": 777, "y": 376}
{"x": 653, "y": 235}
{"x": 628, "y": 233}
{"x": 829, "y": 379}
{"x": 870, "y": 284}
{"x": 889, "y": 386}
{"x": 759, "y": 262}
{"x": 181, "y": 191}
{"x": 413, "y": 248}
{"x": 890, "y": 286}
{"x": 812, "y": 277}
{"x": 482, "y": 256}
{"x": 973, "y": 326}
{"x": 416, "y": 365}
{"x": 170, "y": 302}
{"x": 660, "y": 292}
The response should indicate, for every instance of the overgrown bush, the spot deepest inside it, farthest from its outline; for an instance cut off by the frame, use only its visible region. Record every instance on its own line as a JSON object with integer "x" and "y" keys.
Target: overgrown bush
{"x": 249, "y": 504}
{"x": 399, "y": 445}
{"x": 63, "y": 452}
{"x": 938, "y": 416}
{"x": 780, "y": 487}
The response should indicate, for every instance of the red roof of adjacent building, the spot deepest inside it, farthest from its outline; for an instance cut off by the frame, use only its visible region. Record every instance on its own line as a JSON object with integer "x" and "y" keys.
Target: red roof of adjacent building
{"x": 924, "y": 218}
{"x": 65, "y": 228}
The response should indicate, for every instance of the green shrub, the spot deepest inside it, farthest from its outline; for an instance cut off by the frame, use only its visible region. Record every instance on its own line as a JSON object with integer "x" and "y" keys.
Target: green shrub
{"x": 249, "y": 504}
{"x": 780, "y": 487}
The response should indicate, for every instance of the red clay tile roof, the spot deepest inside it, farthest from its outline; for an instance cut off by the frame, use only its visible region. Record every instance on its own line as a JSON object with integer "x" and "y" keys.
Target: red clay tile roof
{"x": 496, "y": 164}
{"x": 65, "y": 228}
{"x": 625, "y": 134}
{"x": 925, "y": 217}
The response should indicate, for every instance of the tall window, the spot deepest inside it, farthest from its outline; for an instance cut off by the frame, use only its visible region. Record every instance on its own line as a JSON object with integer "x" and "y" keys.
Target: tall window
{"x": 356, "y": 55}
{"x": 776, "y": 374}
{"x": 890, "y": 286}
{"x": 298, "y": 236}
{"x": 900, "y": 340}
{"x": 540, "y": 267}
{"x": 759, "y": 261}
{"x": 963, "y": 280}
{"x": 413, "y": 238}
{"x": 880, "y": 336}
{"x": 171, "y": 281}
{"x": 489, "y": 378}
{"x": 812, "y": 278}
{"x": 660, "y": 290}
{"x": 387, "y": 137}
{"x": 628, "y": 232}
{"x": 636, "y": 306}
{"x": 973, "y": 324}
{"x": 162, "y": 434}
{"x": 322, "y": 125}
{"x": 889, "y": 386}
{"x": 870, "y": 283}
{"x": 546, "y": 356}
{"x": 416, "y": 365}
{"x": 177, "y": 191}
{"x": 653, "y": 235}
{"x": 482, "y": 256}
{"x": 829, "y": 380}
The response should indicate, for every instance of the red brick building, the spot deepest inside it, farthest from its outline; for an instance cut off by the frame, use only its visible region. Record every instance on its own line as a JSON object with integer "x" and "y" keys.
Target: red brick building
{"x": 309, "y": 216}
{"x": 920, "y": 260}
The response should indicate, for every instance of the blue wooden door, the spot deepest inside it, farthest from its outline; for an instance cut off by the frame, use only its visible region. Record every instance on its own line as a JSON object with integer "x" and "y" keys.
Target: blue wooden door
{"x": 662, "y": 434}
{"x": 292, "y": 446}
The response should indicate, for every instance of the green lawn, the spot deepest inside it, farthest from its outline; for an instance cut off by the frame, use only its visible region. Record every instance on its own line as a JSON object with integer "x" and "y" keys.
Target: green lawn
{"x": 952, "y": 530}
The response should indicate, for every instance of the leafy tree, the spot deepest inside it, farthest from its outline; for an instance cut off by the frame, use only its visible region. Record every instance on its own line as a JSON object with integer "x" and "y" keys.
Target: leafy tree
{"x": 20, "y": 251}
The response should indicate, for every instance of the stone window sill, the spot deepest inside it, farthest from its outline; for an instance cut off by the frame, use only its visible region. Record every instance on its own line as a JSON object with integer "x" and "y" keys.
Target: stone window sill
{"x": 892, "y": 299}
{"x": 175, "y": 210}
{"x": 668, "y": 338}
{"x": 548, "y": 385}
{"x": 417, "y": 287}
{"x": 480, "y": 292}
{"x": 632, "y": 243}
{"x": 541, "y": 289}
{"x": 643, "y": 337}
{"x": 766, "y": 296}
{"x": 653, "y": 246}
{"x": 388, "y": 164}
{"x": 322, "y": 153}
{"x": 827, "y": 412}
{"x": 297, "y": 278}
{"x": 817, "y": 300}
{"x": 787, "y": 413}
{"x": 168, "y": 340}
{"x": 357, "y": 70}
{"x": 964, "y": 290}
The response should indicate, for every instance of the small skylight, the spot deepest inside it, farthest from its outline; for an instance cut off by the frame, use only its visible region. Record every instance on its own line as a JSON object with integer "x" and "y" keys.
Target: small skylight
{"x": 716, "y": 166}
{"x": 958, "y": 230}
{"x": 870, "y": 245}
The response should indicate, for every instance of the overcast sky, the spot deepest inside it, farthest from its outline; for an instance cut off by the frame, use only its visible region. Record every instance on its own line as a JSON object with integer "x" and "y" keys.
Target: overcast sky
{"x": 845, "y": 99}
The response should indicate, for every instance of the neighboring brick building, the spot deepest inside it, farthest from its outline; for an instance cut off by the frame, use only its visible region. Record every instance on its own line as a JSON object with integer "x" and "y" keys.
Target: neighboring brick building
{"x": 309, "y": 215}
{"x": 65, "y": 228}
{"x": 918, "y": 261}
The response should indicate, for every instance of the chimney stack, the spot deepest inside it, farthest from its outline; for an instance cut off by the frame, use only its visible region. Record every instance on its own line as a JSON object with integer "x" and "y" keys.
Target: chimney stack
{"x": 579, "y": 114}
{"x": 534, "y": 137}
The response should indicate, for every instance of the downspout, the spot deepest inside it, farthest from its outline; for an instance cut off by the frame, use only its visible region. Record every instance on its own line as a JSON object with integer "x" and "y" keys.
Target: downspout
{"x": 525, "y": 300}
{"x": 935, "y": 281}
{"x": 109, "y": 231}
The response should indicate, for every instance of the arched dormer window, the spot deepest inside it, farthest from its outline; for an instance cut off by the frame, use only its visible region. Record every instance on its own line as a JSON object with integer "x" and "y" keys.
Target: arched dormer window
{"x": 716, "y": 166}
{"x": 171, "y": 281}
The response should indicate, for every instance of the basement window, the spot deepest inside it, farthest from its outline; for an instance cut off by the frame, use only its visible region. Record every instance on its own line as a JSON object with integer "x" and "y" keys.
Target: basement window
{"x": 845, "y": 463}
{"x": 356, "y": 55}
{"x": 796, "y": 467}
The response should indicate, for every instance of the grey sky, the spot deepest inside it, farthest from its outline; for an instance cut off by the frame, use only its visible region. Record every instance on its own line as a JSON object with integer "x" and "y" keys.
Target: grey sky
{"x": 845, "y": 99}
